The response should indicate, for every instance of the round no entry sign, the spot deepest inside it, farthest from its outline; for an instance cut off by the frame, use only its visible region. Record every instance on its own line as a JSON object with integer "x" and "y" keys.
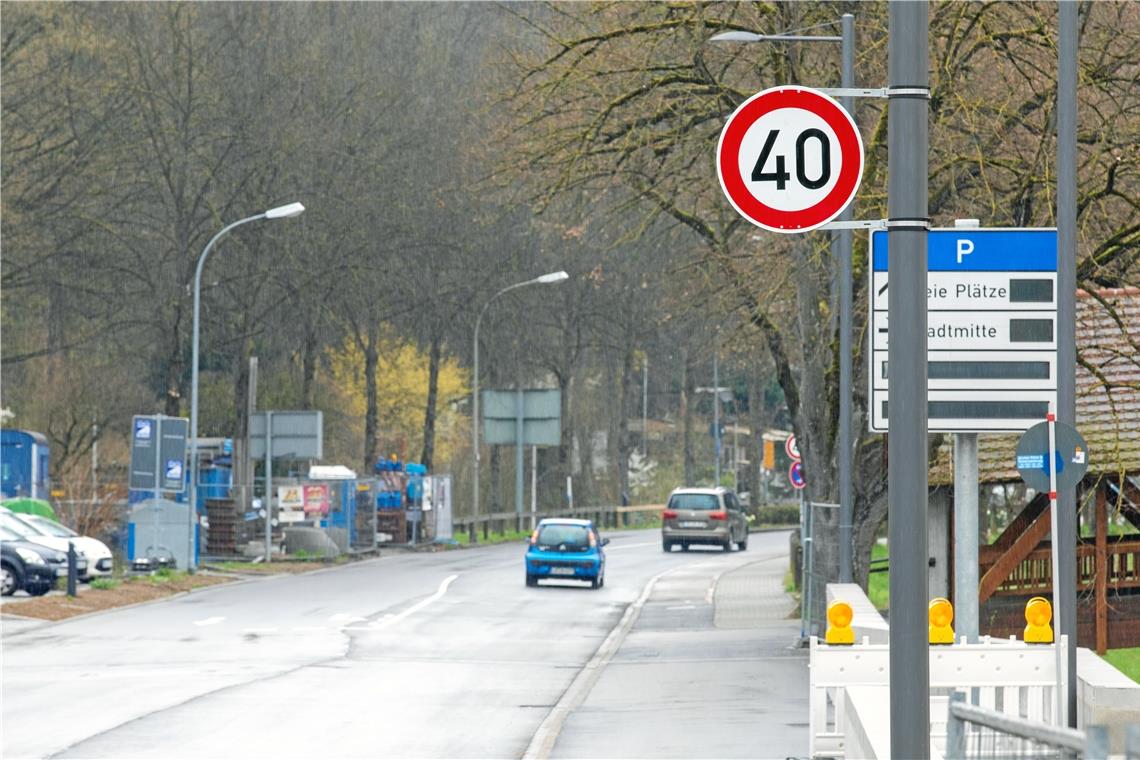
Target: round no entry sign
{"x": 790, "y": 159}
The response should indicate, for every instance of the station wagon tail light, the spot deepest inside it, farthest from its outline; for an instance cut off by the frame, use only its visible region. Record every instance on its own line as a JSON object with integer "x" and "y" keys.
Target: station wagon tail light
{"x": 534, "y": 537}
{"x": 718, "y": 515}
{"x": 669, "y": 514}
{"x": 593, "y": 541}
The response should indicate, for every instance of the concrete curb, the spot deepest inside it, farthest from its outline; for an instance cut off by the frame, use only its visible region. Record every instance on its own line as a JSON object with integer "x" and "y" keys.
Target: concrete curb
{"x": 544, "y": 739}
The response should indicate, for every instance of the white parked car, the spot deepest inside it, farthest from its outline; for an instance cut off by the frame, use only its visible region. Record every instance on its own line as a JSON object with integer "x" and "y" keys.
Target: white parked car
{"x": 99, "y": 559}
{"x": 28, "y": 532}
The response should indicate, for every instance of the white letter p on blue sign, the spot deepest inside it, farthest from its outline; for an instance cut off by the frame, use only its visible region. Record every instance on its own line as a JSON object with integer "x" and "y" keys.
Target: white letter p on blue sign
{"x": 965, "y": 248}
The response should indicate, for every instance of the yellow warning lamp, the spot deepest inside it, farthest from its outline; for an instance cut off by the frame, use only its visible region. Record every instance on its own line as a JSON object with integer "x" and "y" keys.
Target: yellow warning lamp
{"x": 839, "y": 616}
{"x": 1038, "y": 614}
{"x": 941, "y": 615}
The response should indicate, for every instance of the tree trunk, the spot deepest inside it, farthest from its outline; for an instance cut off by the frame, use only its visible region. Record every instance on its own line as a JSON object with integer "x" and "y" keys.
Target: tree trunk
{"x": 433, "y": 393}
{"x": 371, "y": 414}
{"x": 624, "y": 439}
{"x": 309, "y": 355}
{"x": 496, "y": 479}
{"x": 687, "y": 391}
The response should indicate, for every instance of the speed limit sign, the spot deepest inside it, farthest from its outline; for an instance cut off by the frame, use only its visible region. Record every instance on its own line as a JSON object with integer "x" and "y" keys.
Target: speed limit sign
{"x": 790, "y": 159}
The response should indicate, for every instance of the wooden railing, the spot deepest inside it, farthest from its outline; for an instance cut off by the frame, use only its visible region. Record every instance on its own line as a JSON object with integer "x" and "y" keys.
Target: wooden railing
{"x": 1034, "y": 574}
{"x": 501, "y": 522}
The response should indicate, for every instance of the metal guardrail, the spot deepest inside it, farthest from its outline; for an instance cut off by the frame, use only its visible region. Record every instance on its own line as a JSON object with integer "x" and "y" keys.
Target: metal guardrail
{"x": 500, "y": 522}
{"x": 976, "y": 732}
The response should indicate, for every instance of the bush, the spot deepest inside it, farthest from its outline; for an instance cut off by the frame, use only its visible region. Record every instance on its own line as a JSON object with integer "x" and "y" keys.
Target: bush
{"x": 104, "y": 584}
{"x": 778, "y": 514}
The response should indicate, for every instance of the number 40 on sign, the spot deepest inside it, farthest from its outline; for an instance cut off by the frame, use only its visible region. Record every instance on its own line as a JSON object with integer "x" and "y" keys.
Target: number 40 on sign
{"x": 790, "y": 159}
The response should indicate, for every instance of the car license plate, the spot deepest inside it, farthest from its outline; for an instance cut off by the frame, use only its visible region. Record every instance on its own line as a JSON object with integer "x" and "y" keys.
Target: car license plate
{"x": 60, "y": 572}
{"x": 691, "y": 524}
{"x": 561, "y": 571}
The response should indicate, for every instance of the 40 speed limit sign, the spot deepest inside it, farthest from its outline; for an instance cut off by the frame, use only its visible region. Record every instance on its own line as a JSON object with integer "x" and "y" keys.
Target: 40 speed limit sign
{"x": 790, "y": 159}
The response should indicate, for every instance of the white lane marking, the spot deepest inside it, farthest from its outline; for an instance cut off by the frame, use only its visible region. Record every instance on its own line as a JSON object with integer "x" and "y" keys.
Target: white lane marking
{"x": 308, "y": 629}
{"x": 344, "y": 617}
{"x": 209, "y": 621}
{"x": 682, "y": 607}
{"x": 629, "y": 546}
{"x": 542, "y": 743}
{"x": 379, "y": 625}
{"x": 259, "y": 631}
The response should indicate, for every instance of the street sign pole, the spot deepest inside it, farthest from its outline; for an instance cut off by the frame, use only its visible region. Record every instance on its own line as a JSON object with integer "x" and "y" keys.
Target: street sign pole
{"x": 268, "y": 486}
{"x": 846, "y": 453}
{"x": 908, "y": 222}
{"x": 1066, "y": 603}
{"x": 966, "y": 522}
{"x": 1051, "y": 455}
{"x": 157, "y": 473}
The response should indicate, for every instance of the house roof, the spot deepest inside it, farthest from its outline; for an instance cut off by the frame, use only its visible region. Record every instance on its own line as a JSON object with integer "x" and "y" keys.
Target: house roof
{"x": 1108, "y": 393}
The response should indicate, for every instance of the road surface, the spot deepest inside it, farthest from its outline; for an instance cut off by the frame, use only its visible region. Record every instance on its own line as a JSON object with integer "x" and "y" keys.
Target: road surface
{"x": 442, "y": 654}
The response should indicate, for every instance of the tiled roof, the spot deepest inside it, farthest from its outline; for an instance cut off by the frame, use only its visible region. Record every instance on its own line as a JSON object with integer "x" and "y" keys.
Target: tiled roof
{"x": 1108, "y": 393}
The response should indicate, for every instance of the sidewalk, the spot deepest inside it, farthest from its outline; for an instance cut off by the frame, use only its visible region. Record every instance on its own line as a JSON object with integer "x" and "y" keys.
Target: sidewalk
{"x": 708, "y": 671}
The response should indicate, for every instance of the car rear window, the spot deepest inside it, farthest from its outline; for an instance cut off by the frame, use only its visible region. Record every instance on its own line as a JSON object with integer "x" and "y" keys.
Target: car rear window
{"x": 570, "y": 536}
{"x": 706, "y": 501}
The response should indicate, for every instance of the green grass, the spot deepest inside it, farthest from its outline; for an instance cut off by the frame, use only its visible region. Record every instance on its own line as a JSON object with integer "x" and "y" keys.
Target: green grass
{"x": 789, "y": 582}
{"x": 494, "y": 538}
{"x": 1127, "y": 661}
{"x": 104, "y": 584}
{"x": 879, "y": 584}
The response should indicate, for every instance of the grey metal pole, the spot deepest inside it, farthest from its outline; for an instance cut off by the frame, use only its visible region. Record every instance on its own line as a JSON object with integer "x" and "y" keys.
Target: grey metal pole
{"x": 520, "y": 450}
{"x": 846, "y": 445}
{"x": 194, "y": 379}
{"x": 966, "y": 535}
{"x": 94, "y": 463}
{"x": 966, "y": 522}
{"x": 268, "y": 484}
{"x": 546, "y": 279}
{"x": 475, "y": 421}
{"x": 908, "y": 222}
{"x": 533, "y": 487}
{"x": 1066, "y": 324}
{"x": 716, "y": 419}
{"x": 158, "y": 482}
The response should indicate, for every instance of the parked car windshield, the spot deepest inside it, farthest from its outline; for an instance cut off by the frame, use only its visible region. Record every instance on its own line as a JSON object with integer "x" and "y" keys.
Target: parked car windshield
{"x": 51, "y": 528}
{"x": 18, "y": 526}
{"x": 571, "y": 536}
{"x": 8, "y": 535}
{"x": 693, "y": 501}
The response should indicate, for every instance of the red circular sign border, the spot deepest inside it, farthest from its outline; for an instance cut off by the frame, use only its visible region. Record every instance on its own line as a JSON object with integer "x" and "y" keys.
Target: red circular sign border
{"x": 789, "y": 443}
{"x": 791, "y": 469}
{"x": 728, "y": 150}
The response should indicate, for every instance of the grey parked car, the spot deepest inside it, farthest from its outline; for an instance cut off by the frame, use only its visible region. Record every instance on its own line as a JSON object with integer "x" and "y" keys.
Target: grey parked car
{"x": 704, "y": 516}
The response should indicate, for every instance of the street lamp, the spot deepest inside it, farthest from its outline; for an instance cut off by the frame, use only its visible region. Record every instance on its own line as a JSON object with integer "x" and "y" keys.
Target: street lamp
{"x": 280, "y": 212}
{"x": 842, "y": 243}
{"x": 547, "y": 279}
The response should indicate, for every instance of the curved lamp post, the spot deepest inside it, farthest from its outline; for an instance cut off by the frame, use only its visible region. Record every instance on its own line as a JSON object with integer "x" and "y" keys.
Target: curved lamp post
{"x": 546, "y": 279}
{"x": 842, "y": 247}
{"x": 280, "y": 212}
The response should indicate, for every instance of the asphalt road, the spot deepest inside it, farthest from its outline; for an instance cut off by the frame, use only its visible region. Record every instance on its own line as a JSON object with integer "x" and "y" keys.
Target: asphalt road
{"x": 430, "y": 655}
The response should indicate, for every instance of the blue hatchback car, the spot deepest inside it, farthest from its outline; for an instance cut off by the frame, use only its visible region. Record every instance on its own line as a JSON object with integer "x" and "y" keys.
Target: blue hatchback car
{"x": 566, "y": 550}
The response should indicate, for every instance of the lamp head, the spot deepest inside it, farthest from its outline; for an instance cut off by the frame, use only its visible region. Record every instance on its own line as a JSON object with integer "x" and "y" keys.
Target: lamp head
{"x": 553, "y": 277}
{"x": 735, "y": 36}
{"x": 282, "y": 212}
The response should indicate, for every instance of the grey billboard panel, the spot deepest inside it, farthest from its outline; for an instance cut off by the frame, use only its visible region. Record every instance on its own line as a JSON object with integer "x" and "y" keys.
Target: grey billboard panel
{"x": 538, "y": 403}
{"x": 168, "y": 434}
{"x": 535, "y": 432}
{"x": 296, "y": 435}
